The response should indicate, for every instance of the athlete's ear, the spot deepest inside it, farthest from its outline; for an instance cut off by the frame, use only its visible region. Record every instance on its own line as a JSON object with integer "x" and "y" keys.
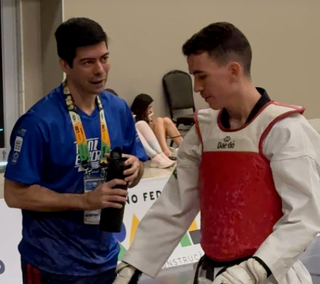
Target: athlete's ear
{"x": 235, "y": 70}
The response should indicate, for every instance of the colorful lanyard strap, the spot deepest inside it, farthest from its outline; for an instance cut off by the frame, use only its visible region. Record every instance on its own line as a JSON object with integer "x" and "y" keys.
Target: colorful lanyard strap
{"x": 81, "y": 136}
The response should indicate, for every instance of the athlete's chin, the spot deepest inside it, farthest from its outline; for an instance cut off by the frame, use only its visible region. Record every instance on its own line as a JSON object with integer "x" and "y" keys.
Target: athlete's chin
{"x": 213, "y": 103}
{"x": 215, "y": 106}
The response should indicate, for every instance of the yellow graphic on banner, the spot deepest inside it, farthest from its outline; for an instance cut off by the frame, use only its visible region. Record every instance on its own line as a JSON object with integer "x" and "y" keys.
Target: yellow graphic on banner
{"x": 193, "y": 226}
{"x": 134, "y": 226}
{"x": 192, "y": 237}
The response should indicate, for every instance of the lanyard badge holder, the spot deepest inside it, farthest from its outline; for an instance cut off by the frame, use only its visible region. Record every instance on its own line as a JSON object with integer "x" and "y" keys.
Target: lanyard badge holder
{"x": 90, "y": 182}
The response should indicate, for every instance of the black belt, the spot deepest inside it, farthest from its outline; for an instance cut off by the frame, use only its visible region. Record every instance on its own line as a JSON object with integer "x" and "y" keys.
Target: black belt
{"x": 209, "y": 264}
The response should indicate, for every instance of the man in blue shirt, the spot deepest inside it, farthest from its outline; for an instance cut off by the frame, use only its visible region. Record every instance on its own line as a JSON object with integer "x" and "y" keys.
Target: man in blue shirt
{"x": 59, "y": 147}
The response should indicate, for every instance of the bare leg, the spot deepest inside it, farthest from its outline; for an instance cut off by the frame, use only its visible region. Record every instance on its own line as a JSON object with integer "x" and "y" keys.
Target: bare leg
{"x": 172, "y": 131}
{"x": 158, "y": 158}
{"x": 159, "y": 130}
{"x": 145, "y": 129}
{"x": 149, "y": 151}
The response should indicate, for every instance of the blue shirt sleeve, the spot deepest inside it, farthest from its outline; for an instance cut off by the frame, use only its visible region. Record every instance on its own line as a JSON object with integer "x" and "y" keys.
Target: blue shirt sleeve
{"x": 133, "y": 144}
{"x": 28, "y": 148}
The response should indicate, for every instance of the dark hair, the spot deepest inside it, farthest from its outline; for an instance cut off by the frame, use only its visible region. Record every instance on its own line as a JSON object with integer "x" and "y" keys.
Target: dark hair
{"x": 140, "y": 105}
{"x": 112, "y": 92}
{"x": 224, "y": 42}
{"x": 77, "y": 32}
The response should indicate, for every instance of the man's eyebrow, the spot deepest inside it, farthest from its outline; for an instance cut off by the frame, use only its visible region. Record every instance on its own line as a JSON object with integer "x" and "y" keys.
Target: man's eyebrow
{"x": 92, "y": 58}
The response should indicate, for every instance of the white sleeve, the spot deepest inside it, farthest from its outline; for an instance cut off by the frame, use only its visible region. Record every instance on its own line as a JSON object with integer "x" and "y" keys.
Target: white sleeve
{"x": 293, "y": 148}
{"x": 161, "y": 229}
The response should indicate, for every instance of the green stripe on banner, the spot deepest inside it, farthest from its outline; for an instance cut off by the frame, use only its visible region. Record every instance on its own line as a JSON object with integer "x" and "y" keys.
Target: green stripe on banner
{"x": 185, "y": 241}
{"x": 121, "y": 252}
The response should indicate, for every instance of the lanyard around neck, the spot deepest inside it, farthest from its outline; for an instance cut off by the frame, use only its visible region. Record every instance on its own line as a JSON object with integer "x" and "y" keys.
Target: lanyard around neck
{"x": 80, "y": 134}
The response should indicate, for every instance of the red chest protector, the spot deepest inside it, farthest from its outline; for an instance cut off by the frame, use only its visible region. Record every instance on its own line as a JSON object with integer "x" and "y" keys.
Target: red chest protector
{"x": 238, "y": 200}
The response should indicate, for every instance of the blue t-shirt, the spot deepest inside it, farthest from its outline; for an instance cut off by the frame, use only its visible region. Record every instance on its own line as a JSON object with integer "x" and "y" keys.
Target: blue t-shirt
{"x": 44, "y": 152}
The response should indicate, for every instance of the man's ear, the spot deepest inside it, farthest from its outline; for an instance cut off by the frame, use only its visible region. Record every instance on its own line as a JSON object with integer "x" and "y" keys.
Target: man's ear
{"x": 64, "y": 65}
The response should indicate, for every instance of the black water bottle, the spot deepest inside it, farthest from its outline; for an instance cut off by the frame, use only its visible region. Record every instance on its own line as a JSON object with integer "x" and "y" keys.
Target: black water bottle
{"x": 111, "y": 218}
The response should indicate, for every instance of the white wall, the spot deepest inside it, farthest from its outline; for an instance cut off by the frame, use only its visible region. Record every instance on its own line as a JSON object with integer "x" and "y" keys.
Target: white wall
{"x": 31, "y": 48}
{"x": 9, "y": 70}
{"x": 50, "y": 19}
{"x": 146, "y": 39}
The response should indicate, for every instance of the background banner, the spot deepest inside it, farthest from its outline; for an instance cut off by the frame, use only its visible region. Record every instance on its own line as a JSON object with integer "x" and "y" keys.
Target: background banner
{"x": 139, "y": 202}
{"x": 140, "y": 198}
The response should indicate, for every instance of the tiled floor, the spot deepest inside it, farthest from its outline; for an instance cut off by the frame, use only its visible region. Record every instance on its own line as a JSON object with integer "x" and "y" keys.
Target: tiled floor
{"x": 154, "y": 172}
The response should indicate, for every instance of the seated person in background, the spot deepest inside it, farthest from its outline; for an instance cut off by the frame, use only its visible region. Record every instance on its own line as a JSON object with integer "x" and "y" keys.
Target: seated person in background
{"x": 162, "y": 127}
{"x": 152, "y": 147}
{"x": 150, "y": 143}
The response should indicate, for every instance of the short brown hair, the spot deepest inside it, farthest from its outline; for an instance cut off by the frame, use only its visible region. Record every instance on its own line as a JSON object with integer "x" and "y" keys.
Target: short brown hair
{"x": 224, "y": 42}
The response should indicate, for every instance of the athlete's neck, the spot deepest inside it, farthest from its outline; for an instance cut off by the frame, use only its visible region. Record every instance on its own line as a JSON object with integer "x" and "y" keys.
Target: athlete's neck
{"x": 86, "y": 102}
{"x": 241, "y": 108}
